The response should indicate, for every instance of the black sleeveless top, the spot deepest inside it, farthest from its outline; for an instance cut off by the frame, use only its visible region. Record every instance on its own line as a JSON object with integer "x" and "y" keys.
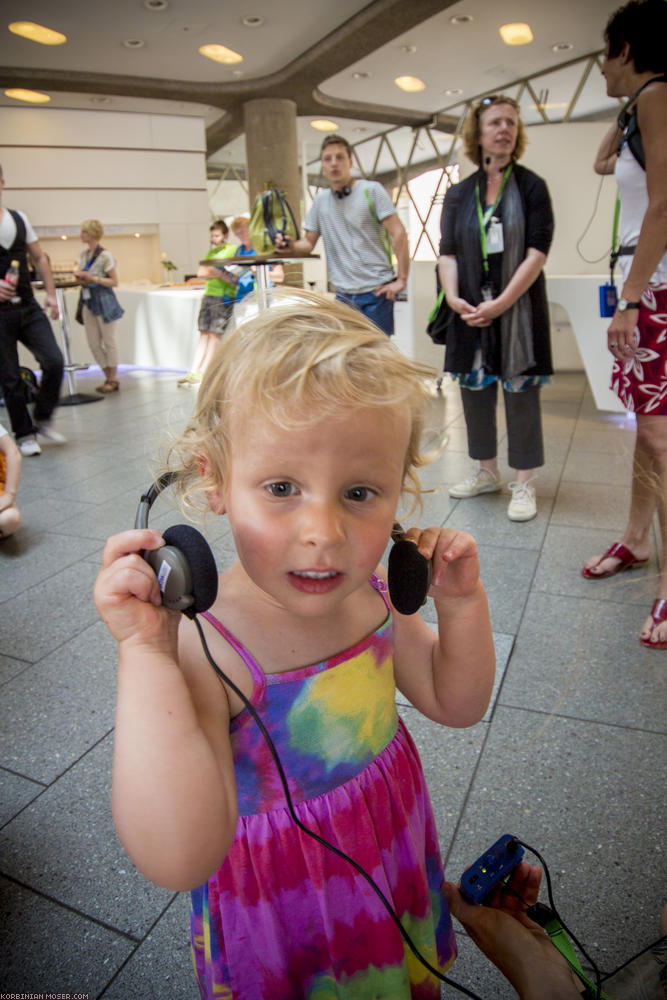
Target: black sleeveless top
{"x": 17, "y": 251}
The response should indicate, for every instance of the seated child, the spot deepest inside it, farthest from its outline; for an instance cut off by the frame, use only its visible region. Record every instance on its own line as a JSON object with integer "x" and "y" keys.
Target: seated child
{"x": 10, "y": 477}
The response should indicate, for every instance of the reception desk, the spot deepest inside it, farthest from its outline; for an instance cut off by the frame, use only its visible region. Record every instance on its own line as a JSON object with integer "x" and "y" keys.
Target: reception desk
{"x": 158, "y": 330}
{"x": 577, "y": 295}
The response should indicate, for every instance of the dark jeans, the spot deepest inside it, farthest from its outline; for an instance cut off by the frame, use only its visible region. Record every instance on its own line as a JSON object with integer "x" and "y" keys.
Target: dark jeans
{"x": 378, "y": 308}
{"x": 29, "y": 326}
{"x": 525, "y": 447}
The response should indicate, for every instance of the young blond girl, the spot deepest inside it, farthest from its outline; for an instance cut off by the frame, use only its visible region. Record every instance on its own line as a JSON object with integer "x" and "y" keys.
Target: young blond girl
{"x": 306, "y": 434}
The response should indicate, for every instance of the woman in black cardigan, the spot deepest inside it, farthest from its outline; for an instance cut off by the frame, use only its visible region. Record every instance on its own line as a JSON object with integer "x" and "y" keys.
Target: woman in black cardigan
{"x": 497, "y": 227}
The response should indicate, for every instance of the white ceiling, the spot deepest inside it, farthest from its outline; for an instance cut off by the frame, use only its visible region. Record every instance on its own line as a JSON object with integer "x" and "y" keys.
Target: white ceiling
{"x": 444, "y": 55}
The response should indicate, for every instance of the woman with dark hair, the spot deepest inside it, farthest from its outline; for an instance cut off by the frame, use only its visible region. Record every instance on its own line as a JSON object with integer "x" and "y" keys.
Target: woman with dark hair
{"x": 635, "y": 149}
{"x": 497, "y": 227}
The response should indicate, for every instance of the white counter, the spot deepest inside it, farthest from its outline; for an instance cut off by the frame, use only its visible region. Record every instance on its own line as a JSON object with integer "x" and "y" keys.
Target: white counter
{"x": 158, "y": 330}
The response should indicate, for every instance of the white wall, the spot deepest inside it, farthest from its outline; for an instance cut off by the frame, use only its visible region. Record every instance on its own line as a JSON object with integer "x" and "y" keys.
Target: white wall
{"x": 127, "y": 170}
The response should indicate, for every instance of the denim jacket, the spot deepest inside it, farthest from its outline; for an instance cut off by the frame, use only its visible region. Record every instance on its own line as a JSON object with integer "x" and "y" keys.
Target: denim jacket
{"x": 103, "y": 301}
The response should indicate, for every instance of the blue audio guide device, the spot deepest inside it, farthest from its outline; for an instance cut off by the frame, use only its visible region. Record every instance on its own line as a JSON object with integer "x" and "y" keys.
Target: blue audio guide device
{"x": 500, "y": 859}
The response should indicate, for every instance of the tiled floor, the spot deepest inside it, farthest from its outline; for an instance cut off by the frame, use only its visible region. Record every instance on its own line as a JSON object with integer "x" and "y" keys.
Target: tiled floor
{"x": 571, "y": 756}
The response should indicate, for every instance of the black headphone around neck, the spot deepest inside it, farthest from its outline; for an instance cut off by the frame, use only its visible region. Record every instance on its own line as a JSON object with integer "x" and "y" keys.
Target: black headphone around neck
{"x": 188, "y": 577}
{"x": 342, "y": 192}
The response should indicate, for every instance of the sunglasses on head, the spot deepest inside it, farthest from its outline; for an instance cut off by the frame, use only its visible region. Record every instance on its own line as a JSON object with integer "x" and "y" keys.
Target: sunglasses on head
{"x": 494, "y": 99}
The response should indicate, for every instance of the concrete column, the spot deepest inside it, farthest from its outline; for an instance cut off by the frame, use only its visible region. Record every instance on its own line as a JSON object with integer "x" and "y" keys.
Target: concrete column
{"x": 272, "y": 157}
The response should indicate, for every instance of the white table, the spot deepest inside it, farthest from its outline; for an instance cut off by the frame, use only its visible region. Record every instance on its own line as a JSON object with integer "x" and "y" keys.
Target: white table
{"x": 578, "y": 295}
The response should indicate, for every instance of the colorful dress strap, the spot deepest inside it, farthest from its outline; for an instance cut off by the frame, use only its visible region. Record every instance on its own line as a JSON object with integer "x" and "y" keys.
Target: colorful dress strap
{"x": 253, "y": 666}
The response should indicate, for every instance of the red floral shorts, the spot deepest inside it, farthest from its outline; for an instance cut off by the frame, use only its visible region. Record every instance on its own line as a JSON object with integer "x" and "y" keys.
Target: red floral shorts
{"x": 641, "y": 382}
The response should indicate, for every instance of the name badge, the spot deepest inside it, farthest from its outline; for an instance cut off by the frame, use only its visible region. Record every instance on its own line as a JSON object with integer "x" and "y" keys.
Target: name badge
{"x": 494, "y": 236}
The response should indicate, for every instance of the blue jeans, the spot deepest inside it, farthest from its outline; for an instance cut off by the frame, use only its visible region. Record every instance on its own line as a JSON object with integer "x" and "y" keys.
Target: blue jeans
{"x": 378, "y": 308}
{"x": 28, "y": 325}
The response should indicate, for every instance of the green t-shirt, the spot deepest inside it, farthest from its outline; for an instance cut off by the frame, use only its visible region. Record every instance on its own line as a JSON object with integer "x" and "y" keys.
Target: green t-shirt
{"x": 218, "y": 286}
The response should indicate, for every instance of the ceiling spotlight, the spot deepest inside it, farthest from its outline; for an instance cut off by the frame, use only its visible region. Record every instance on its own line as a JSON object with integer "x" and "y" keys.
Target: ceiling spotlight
{"x": 220, "y": 53}
{"x": 361, "y": 75}
{"x": 516, "y": 34}
{"x": 253, "y": 21}
{"x": 99, "y": 100}
{"x": 410, "y": 83}
{"x": 134, "y": 43}
{"x": 324, "y": 125}
{"x": 63, "y": 237}
{"x": 156, "y": 5}
{"x": 454, "y": 92}
{"x": 461, "y": 19}
{"x": 410, "y": 49}
{"x": 30, "y": 96}
{"x": 562, "y": 47}
{"x": 37, "y": 33}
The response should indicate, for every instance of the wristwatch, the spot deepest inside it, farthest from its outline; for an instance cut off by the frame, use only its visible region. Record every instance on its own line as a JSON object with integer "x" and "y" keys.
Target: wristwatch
{"x": 623, "y": 305}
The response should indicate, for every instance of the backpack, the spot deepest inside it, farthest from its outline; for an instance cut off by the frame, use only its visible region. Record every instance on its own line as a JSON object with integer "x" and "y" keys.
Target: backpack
{"x": 627, "y": 122}
{"x": 271, "y": 215}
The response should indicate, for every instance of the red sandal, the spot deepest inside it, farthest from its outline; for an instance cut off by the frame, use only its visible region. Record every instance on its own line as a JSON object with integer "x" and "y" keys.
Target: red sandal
{"x": 658, "y": 614}
{"x": 617, "y": 551}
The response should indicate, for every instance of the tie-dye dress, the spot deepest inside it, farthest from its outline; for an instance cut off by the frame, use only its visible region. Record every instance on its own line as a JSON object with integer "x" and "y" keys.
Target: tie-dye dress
{"x": 286, "y": 918}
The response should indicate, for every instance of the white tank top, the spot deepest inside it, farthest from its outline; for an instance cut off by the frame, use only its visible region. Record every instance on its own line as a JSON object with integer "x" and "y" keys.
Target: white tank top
{"x": 631, "y": 180}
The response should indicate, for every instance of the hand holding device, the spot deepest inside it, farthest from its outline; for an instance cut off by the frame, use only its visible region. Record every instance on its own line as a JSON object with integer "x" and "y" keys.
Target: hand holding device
{"x": 499, "y": 860}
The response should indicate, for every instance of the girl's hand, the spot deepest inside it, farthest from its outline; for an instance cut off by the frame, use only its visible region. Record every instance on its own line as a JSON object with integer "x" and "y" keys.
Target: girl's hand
{"x": 127, "y": 593}
{"x": 454, "y": 559}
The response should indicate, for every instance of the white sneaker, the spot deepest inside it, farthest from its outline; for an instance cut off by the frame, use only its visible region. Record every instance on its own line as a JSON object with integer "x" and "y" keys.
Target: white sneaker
{"x": 28, "y": 445}
{"x": 46, "y": 431}
{"x": 523, "y": 505}
{"x": 482, "y": 481}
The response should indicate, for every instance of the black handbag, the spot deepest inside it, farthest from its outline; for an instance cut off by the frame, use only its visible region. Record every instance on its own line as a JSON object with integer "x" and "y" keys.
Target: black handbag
{"x": 439, "y": 319}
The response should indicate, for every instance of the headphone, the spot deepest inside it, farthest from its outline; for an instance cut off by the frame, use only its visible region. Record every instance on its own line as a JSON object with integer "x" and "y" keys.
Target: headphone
{"x": 342, "y": 192}
{"x": 188, "y": 577}
{"x": 184, "y": 566}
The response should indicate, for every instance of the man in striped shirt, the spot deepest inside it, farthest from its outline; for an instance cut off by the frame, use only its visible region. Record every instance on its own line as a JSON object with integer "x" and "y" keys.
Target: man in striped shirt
{"x": 354, "y": 217}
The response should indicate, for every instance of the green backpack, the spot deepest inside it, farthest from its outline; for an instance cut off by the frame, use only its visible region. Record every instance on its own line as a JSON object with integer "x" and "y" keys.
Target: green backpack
{"x": 271, "y": 215}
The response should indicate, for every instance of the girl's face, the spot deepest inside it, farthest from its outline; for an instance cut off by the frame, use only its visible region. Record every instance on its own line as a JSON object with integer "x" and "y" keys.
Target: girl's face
{"x": 311, "y": 509}
{"x": 217, "y": 237}
{"x": 498, "y": 130}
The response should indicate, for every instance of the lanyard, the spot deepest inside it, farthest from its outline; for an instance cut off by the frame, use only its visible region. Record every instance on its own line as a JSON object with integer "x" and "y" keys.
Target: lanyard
{"x": 480, "y": 216}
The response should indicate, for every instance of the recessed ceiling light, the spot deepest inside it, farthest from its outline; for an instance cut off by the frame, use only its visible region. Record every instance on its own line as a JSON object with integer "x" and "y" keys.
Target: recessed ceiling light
{"x": 156, "y": 5}
{"x": 454, "y": 91}
{"x": 516, "y": 33}
{"x": 410, "y": 83}
{"x": 220, "y": 53}
{"x": 324, "y": 125}
{"x": 134, "y": 43}
{"x": 461, "y": 19}
{"x": 361, "y": 75}
{"x": 31, "y": 96}
{"x": 410, "y": 49}
{"x": 63, "y": 237}
{"x": 99, "y": 100}
{"x": 253, "y": 21}
{"x": 562, "y": 47}
{"x": 37, "y": 33}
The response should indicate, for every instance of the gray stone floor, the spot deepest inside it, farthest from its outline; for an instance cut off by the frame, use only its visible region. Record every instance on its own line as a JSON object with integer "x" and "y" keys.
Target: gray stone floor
{"x": 570, "y": 757}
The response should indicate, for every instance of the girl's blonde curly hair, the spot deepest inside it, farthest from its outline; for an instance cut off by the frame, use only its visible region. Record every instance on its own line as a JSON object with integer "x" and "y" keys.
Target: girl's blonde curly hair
{"x": 304, "y": 359}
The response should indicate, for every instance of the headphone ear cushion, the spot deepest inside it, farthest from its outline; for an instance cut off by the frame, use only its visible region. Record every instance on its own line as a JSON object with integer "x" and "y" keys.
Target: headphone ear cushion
{"x": 408, "y": 577}
{"x": 203, "y": 571}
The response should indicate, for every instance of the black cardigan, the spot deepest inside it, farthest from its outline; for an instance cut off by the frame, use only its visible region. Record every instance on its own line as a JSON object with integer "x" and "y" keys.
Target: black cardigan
{"x": 461, "y": 339}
